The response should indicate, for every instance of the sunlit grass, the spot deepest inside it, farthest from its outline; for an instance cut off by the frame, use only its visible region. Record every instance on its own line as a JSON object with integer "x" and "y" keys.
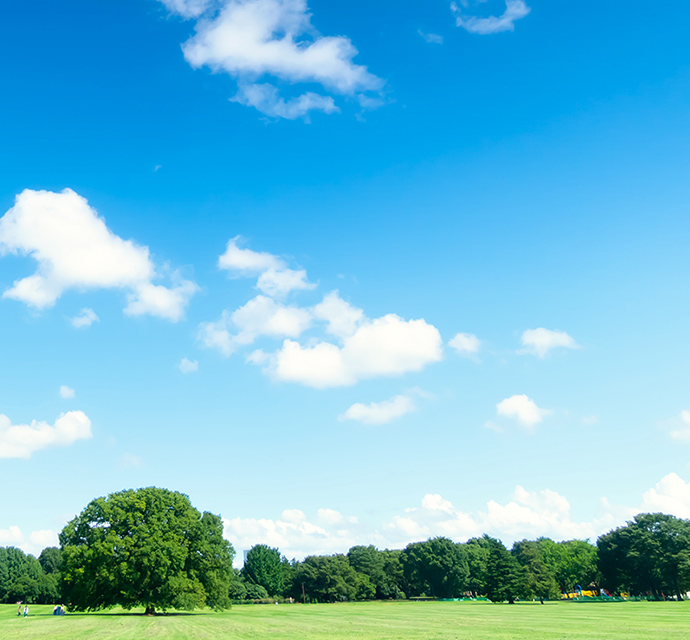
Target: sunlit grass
{"x": 365, "y": 621}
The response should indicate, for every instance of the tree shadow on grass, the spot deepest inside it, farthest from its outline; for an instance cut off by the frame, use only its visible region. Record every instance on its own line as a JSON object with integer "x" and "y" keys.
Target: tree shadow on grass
{"x": 131, "y": 614}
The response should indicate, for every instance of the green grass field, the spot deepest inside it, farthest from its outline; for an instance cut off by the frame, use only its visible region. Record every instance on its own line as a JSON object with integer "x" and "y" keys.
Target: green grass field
{"x": 368, "y": 621}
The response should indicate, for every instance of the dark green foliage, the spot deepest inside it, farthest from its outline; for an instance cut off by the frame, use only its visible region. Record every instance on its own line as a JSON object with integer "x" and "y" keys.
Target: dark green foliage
{"x": 437, "y": 567}
{"x": 393, "y": 576}
{"x": 571, "y": 563}
{"x": 505, "y": 578}
{"x": 477, "y": 553}
{"x": 254, "y": 591}
{"x": 382, "y": 568}
{"x": 330, "y": 579}
{"x": 264, "y": 567}
{"x": 22, "y": 579}
{"x": 51, "y": 559}
{"x": 288, "y": 569}
{"x": 145, "y": 547}
{"x": 651, "y": 555}
{"x": 540, "y": 581}
{"x": 237, "y": 590}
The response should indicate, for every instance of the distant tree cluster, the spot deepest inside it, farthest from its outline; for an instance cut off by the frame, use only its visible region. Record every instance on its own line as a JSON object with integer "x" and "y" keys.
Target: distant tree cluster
{"x": 152, "y": 548}
{"x": 648, "y": 557}
{"x": 437, "y": 568}
{"x": 26, "y": 579}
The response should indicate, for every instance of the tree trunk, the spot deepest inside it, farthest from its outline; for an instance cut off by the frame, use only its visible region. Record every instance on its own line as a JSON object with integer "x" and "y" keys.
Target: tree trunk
{"x": 150, "y": 610}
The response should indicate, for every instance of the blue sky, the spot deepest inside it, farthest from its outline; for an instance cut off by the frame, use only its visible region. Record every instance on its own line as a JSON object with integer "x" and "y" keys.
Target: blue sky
{"x": 512, "y": 173}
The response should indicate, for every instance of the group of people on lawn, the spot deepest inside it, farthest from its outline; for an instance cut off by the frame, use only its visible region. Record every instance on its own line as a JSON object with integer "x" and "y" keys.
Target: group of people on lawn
{"x": 58, "y": 610}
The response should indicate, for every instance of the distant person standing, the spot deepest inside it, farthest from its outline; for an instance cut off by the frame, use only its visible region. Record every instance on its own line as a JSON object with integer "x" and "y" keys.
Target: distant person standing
{"x": 19, "y": 609}
{"x": 26, "y": 610}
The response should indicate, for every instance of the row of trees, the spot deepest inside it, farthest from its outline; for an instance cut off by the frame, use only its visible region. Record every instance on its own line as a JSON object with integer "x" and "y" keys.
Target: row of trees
{"x": 23, "y": 577}
{"x": 649, "y": 556}
{"x": 437, "y": 568}
{"x": 150, "y": 547}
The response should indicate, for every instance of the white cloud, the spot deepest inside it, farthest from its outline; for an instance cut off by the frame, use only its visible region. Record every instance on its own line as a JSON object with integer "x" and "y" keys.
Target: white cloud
{"x": 75, "y": 249}
{"x": 670, "y": 495}
{"x": 294, "y": 534}
{"x": 680, "y": 428}
{"x": 160, "y": 301}
{"x": 522, "y": 409}
{"x": 11, "y": 537}
{"x": 274, "y": 277}
{"x": 343, "y": 319}
{"x": 20, "y": 441}
{"x": 515, "y": 10}
{"x": 386, "y": 346}
{"x": 526, "y": 514}
{"x": 266, "y": 99}
{"x": 34, "y": 543}
{"x": 540, "y": 341}
{"x": 367, "y": 348}
{"x": 246, "y": 262}
{"x": 431, "y": 38}
{"x": 187, "y": 8}
{"x": 67, "y": 393}
{"x": 188, "y": 366}
{"x": 466, "y": 344}
{"x": 84, "y": 319}
{"x": 279, "y": 282}
{"x": 256, "y": 40}
{"x": 529, "y": 514}
{"x": 380, "y": 412}
{"x": 261, "y": 316}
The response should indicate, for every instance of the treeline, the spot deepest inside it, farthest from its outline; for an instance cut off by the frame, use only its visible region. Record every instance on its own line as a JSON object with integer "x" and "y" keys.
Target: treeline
{"x": 648, "y": 557}
{"x": 24, "y": 578}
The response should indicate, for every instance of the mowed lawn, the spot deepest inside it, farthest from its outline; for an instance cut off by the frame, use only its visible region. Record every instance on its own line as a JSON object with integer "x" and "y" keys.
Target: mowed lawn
{"x": 368, "y": 621}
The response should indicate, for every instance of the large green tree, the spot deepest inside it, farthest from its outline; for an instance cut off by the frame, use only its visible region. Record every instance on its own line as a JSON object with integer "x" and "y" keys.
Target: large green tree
{"x": 264, "y": 567}
{"x": 437, "y": 567}
{"x": 381, "y": 567}
{"x": 505, "y": 578}
{"x": 540, "y": 580}
{"x": 572, "y": 563}
{"x": 650, "y": 554}
{"x": 51, "y": 559}
{"x": 147, "y": 547}
{"x": 477, "y": 552}
{"x": 330, "y": 579}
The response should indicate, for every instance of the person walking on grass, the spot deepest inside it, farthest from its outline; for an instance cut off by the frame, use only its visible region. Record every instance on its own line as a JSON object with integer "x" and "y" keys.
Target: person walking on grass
{"x": 26, "y": 610}
{"x": 19, "y": 609}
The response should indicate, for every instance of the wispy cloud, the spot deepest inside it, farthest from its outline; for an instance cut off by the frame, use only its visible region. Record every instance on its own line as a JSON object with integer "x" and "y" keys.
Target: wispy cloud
{"x": 540, "y": 341}
{"x": 515, "y": 10}
{"x": 85, "y": 318}
{"x": 431, "y": 38}
{"x": 66, "y": 393}
{"x": 188, "y": 366}
{"x": 380, "y": 412}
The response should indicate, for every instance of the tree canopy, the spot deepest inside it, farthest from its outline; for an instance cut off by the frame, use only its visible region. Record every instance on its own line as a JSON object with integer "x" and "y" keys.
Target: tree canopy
{"x": 147, "y": 547}
{"x": 650, "y": 554}
{"x": 263, "y": 566}
{"x": 437, "y": 567}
